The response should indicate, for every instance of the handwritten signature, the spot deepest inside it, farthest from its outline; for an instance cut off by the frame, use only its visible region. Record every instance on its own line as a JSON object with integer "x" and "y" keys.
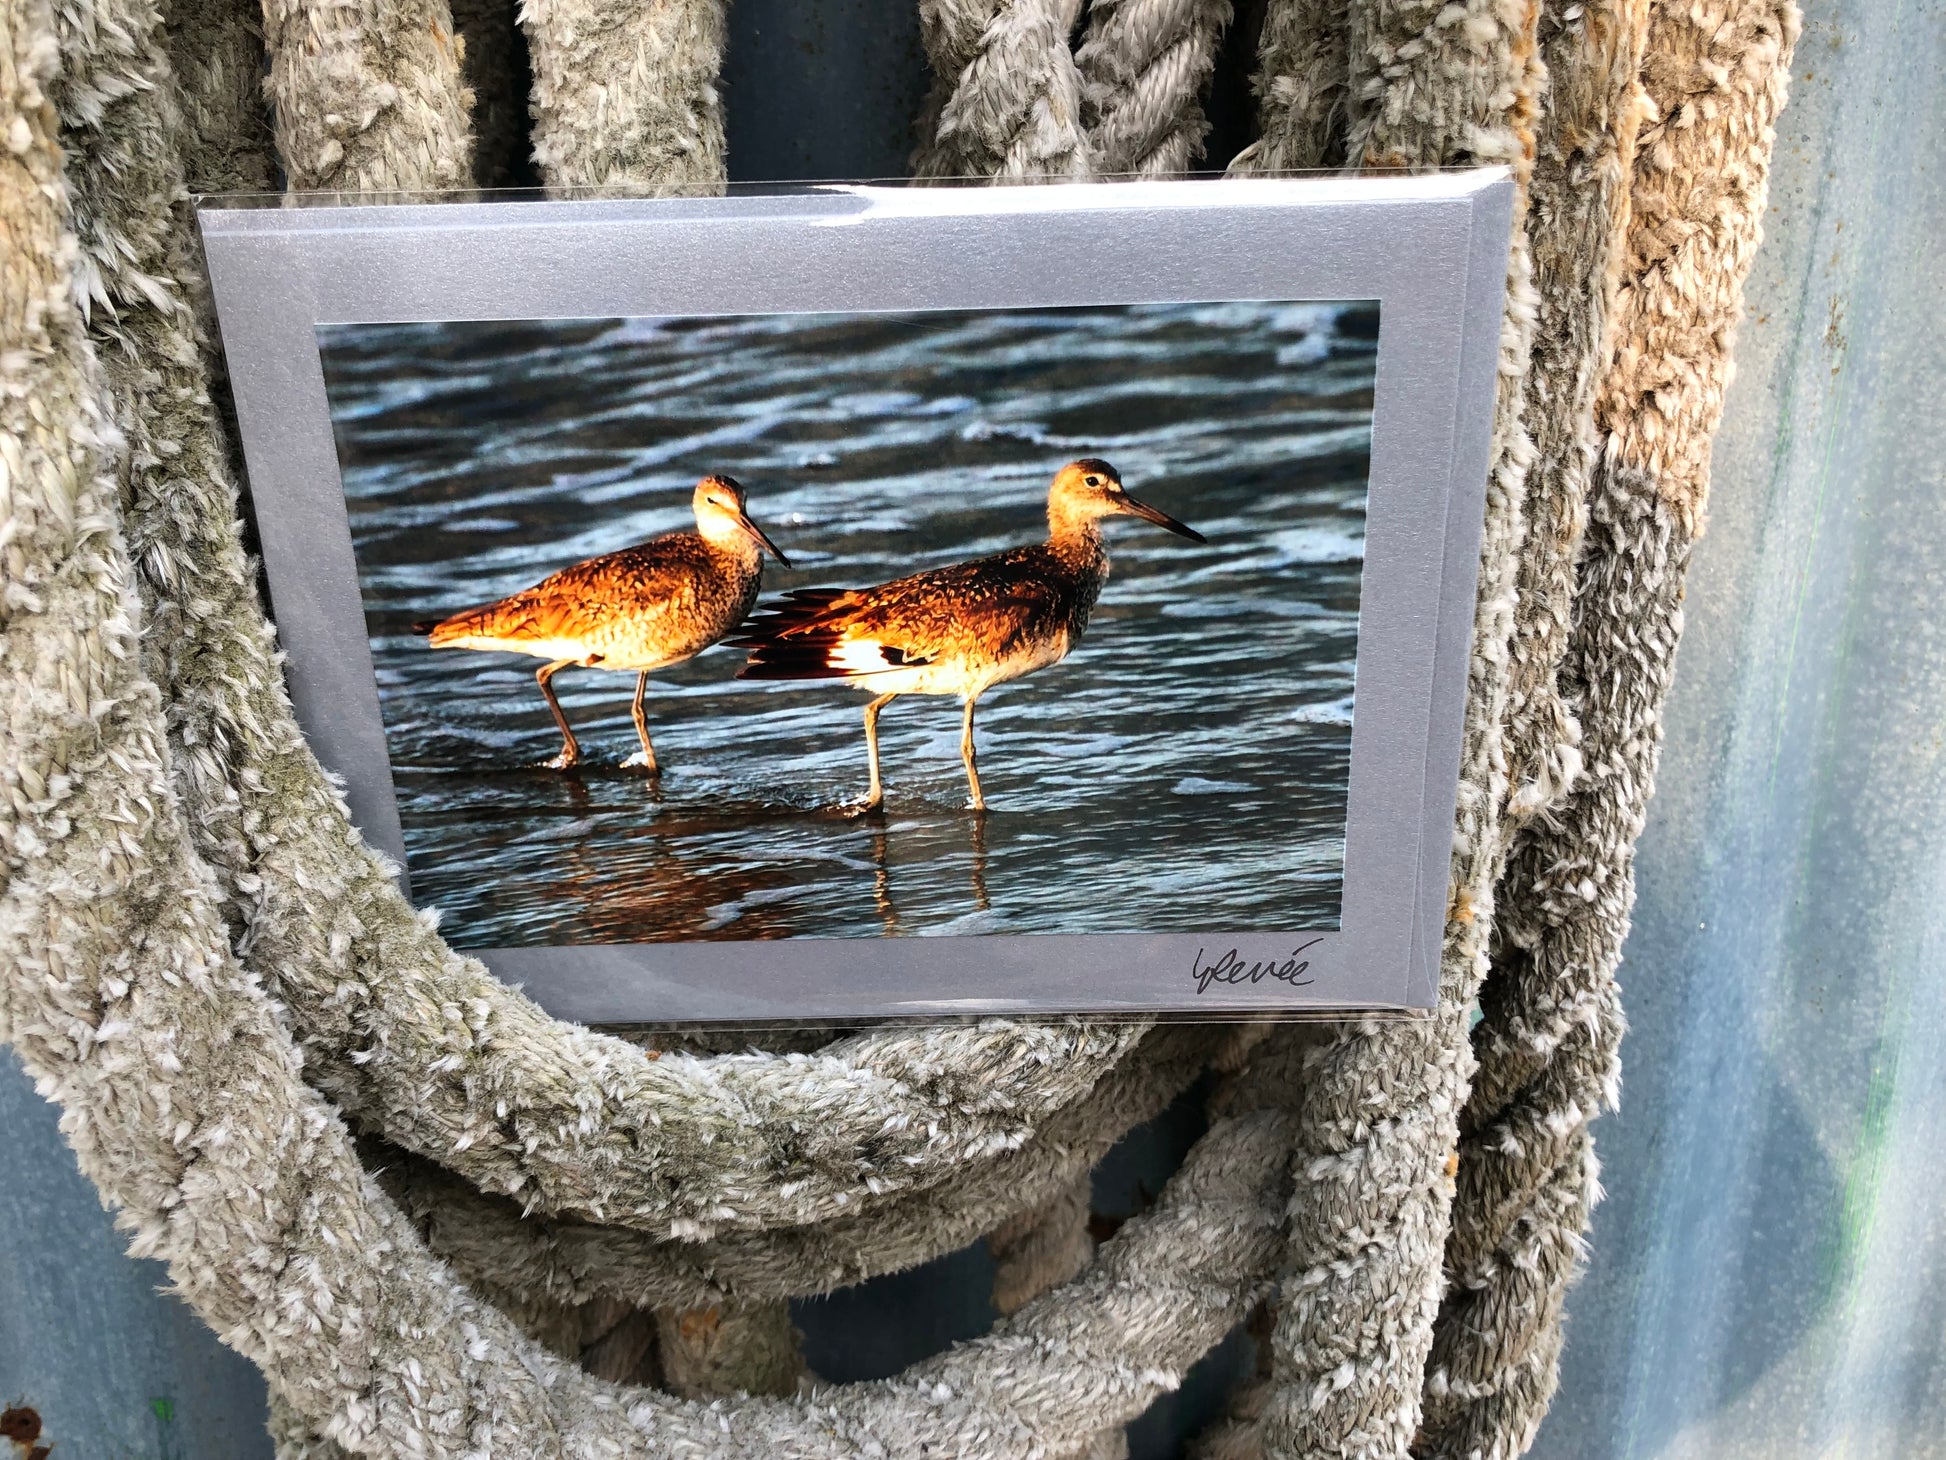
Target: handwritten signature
{"x": 1232, "y": 968}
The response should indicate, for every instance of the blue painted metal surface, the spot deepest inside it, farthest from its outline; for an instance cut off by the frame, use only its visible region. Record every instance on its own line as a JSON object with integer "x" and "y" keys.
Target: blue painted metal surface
{"x": 116, "y": 1369}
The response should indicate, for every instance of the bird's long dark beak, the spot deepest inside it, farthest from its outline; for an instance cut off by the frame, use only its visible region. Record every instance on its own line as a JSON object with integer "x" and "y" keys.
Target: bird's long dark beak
{"x": 1161, "y": 519}
{"x": 757, "y": 532}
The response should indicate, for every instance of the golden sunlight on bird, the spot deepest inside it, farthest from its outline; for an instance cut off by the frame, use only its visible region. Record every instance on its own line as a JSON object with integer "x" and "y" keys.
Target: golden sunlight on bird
{"x": 957, "y": 630}
{"x": 638, "y": 610}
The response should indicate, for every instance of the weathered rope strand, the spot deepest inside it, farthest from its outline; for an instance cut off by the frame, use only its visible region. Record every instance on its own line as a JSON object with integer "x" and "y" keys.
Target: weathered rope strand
{"x": 1303, "y": 70}
{"x": 1548, "y": 1041}
{"x": 1145, "y": 65}
{"x": 1579, "y": 210}
{"x": 627, "y": 93}
{"x": 490, "y": 1244}
{"x": 367, "y": 95}
{"x": 1006, "y": 96}
{"x": 1042, "y": 1246}
{"x": 1430, "y": 86}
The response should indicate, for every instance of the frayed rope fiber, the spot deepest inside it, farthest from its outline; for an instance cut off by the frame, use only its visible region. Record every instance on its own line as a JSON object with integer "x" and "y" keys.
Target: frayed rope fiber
{"x": 446, "y": 1225}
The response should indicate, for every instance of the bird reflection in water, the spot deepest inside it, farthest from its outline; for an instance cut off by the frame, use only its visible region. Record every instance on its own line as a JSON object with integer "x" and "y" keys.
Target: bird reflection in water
{"x": 888, "y": 912}
{"x": 979, "y": 876}
{"x": 664, "y": 886}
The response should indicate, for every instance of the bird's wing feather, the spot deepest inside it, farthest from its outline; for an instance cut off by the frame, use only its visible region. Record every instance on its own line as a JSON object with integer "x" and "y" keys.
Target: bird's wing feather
{"x": 653, "y": 578}
{"x": 983, "y": 608}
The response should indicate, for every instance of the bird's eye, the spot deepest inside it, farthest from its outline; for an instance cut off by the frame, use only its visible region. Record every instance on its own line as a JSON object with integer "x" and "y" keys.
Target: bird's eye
{"x": 1094, "y": 481}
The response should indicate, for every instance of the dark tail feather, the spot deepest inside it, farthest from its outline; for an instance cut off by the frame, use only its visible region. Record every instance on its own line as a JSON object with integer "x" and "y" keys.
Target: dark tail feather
{"x": 789, "y": 638}
{"x": 804, "y": 657}
{"x": 794, "y": 613}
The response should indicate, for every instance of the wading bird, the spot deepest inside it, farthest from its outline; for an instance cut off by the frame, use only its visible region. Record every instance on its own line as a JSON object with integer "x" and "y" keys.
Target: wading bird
{"x": 958, "y": 630}
{"x": 641, "y": 609}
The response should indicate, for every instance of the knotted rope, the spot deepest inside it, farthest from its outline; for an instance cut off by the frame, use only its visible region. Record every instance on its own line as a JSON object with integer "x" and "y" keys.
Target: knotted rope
{"x": 219, "y": 983}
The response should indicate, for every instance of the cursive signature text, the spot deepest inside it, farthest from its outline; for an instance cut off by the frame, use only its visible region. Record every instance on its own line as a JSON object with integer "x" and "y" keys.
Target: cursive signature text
{"x": 1232, "y": 968}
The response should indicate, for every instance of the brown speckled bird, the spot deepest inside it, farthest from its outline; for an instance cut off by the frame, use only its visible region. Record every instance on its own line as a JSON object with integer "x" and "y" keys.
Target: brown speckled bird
{"x": 958, "y": 630}
{"x": 641, "y": 609}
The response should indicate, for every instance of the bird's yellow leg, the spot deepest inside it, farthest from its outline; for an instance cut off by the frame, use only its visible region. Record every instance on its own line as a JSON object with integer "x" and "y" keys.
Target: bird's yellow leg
{"x": 646, "y": 760}
{"x": 876, "y": 794}
{"x": 570, "y": 750}
{"x": 966, "y": 754}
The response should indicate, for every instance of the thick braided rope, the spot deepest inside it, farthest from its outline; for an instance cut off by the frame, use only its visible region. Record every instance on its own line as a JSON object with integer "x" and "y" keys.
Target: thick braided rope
{"x": 1302, "y": 71}
{"x": 626, "y": 93}
{"x": 1145, "y": 65}
{"x": 702, "y": 1354}
{"x": 707, "y": 1351}
{"x": 1277, "y": 1076}
{"x": 1041, "y": 1246}
{"x": 611, "y": 1340}
{"x": 366, "y": 91}
{"x": 1716, "y": 76}
{"x": 488, "y": 1083}
{"x": 1006, "y": 94}
{"x": 1431, "y": 86}
{"x": 726, "y": 1349}
{"x": 1035, "y": 1251}
{"x": 183, "y": 1100}
{"x": 489, "y": 1243}
{"x": 1578, "y": 209}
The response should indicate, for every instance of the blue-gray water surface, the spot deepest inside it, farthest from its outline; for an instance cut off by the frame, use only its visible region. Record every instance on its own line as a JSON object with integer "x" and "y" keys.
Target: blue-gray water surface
{"x": 1184, "y": 769}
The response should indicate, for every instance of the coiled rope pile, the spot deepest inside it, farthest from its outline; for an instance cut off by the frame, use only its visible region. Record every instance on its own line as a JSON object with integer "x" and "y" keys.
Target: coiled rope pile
{"x": 447, "y": 1225}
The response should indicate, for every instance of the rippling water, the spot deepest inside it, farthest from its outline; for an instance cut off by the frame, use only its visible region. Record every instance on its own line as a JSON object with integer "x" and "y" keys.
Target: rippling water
{"x": 1183, "y": 769}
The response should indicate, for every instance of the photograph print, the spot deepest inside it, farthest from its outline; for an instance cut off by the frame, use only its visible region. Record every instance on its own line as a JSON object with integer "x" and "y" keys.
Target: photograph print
{"x": 862, "y": 625}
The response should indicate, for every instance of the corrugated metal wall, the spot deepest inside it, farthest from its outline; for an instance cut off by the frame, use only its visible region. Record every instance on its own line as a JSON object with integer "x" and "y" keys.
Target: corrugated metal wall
{"x": 1769, "y": 1272}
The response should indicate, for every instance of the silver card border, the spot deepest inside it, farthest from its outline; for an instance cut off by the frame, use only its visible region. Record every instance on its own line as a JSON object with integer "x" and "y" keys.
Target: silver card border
{"x": 1431, "y": 249}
